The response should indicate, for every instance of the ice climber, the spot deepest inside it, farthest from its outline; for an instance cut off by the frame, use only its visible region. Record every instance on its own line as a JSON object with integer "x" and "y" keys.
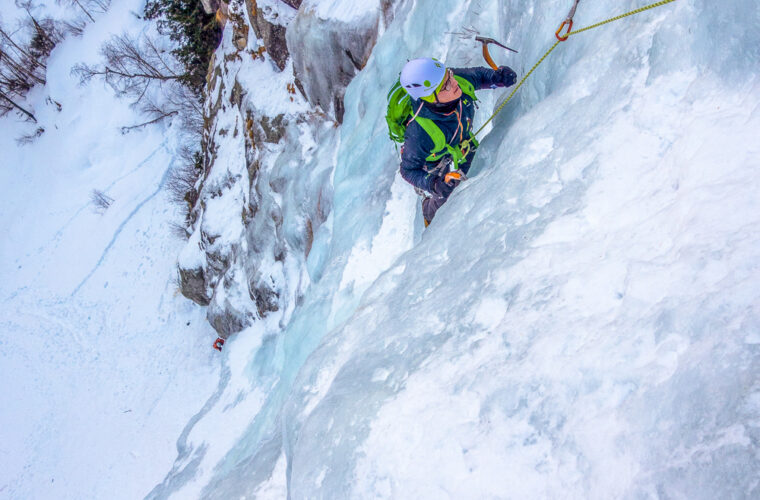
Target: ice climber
{"x": 443, "y": 106}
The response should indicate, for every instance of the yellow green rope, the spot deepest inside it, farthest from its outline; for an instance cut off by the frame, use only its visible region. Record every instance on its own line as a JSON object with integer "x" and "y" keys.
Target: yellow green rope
{"x": 642, "y": 9}
{"x": 517, "y": 87}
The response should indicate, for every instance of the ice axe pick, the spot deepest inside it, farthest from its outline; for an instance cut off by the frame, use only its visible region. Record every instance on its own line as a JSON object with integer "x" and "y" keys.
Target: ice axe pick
{"x": 485, "y": 41}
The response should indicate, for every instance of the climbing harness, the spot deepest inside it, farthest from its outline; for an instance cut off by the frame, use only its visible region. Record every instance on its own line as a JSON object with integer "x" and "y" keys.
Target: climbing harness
{"x": 441, "y": 147}
{"x": 400, "y": 114}
{"x": 561, "y": 38}
{"x": 454, "y": 176}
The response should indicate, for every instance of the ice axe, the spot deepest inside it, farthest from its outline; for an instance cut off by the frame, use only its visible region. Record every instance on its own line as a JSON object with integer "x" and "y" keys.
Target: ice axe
{"x": 485, "y": 41}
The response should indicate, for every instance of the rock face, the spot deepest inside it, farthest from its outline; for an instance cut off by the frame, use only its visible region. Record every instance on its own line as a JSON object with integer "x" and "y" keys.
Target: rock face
{"x": 255, "y": 220}
{"x": 210, "y": 6}
{"x": 330, "y": 45}
{"x": 269, "y": 19}
{"x": 193, "y": 284}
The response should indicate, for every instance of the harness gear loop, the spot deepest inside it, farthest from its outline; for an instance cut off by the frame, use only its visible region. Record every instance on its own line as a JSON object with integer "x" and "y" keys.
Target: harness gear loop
{"x": 465, "y": 149}
{"x": 567, "y": 22}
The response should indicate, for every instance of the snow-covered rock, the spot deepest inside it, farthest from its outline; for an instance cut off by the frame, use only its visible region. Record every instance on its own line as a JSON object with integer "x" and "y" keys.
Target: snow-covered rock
{"x": 102, "y": 361}
{"x": 253, "y": 224}
{"x": 269, "y": 20}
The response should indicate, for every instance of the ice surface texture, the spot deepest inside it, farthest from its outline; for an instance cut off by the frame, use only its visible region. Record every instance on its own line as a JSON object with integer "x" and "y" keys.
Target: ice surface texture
{"x": 581, "y": 319}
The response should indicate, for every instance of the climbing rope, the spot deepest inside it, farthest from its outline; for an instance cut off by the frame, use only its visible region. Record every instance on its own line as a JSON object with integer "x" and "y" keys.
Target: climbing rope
{"x": 637, "y": 11}
{"x": 569, "y": 23}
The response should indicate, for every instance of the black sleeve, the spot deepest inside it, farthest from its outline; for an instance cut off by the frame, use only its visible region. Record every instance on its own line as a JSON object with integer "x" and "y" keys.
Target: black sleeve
{"x": 417, "y": 147}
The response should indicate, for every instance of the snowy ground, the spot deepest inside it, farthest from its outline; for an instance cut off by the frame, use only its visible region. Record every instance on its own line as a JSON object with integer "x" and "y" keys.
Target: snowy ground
{"x": 102, "y": 361}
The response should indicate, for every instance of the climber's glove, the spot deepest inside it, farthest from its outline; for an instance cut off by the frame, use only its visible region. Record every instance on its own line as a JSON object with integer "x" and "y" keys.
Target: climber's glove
{"x": 505, "y": 76}
{"x": 441, "y": 188}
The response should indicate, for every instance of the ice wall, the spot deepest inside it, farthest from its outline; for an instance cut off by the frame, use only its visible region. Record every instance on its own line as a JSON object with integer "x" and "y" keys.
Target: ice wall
{"x": 579, "y": 321}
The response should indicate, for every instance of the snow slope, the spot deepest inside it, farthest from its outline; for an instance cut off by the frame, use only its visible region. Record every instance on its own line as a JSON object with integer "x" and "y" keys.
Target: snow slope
{"x": 581, "y": 319}
{"x": 102, "y": 361}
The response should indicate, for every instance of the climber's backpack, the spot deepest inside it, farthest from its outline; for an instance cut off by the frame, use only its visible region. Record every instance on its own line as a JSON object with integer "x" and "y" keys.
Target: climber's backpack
{"x": 400, "y": 113}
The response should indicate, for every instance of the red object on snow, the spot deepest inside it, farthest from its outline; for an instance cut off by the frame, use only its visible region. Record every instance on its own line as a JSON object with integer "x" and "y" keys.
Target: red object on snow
{"x": 218, "y": 343}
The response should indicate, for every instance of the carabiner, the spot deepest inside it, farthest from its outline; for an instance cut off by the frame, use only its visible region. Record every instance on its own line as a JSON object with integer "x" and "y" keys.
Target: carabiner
{"x": 569, "y": 23}
{"x": 464, "y": 147}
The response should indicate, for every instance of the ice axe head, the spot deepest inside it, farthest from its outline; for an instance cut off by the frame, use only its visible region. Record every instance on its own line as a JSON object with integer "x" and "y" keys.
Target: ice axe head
{"x": 485, "y": 41}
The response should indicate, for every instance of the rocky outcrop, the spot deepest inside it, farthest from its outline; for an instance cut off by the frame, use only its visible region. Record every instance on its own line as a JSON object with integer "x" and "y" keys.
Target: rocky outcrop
{"x": 228, "y": 311}
{"x": 192, "y": 284}
{"x": 269, "y": 20}
{"x": 254, "y": 222}
{"x": 329, "y": 46}
{"x": 210, "y": 6}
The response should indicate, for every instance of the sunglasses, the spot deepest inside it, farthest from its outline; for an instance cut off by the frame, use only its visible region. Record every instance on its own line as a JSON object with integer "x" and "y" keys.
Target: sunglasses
{"x": 448, "y": 84}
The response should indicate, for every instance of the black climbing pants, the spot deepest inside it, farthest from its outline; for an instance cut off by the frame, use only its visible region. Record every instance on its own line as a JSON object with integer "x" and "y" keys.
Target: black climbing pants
{"x": 431, "y": 205}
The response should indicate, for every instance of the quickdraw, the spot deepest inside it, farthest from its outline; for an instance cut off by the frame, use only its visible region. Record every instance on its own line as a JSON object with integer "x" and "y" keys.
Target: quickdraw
{"x": 567, "y": 22}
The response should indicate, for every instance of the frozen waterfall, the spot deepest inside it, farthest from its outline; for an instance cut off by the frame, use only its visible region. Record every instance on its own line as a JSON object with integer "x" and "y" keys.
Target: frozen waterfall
{"x": 581, "y": 319}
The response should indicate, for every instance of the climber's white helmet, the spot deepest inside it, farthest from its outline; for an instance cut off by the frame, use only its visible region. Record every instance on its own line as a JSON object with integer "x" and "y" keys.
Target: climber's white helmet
{"x": 420, "y": 77}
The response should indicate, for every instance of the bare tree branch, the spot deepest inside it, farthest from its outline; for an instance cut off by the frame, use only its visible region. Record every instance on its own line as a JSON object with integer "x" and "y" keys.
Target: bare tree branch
{"x": 151, "y": 77}
{"x": 126, "y": 130}
{"x": 100, "y": 201}
{"x": 76, "y": 2}
{"x": 22, "y": 58}
{"x": 14, "y": 105}
{"x": 131, "y": 67}
{"x": 13, "y": 44}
